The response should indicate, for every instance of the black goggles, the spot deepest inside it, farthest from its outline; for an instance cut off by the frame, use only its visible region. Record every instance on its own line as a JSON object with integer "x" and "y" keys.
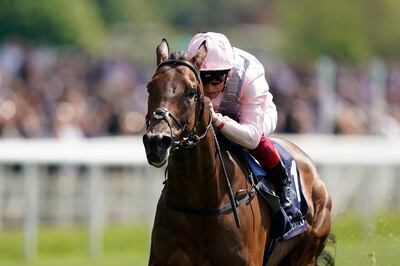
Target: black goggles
{"x": 214, "y": 77}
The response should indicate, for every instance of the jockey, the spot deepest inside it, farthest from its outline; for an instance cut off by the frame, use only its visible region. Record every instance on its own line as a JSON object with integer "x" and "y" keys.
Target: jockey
{"x": 240, "y": 103}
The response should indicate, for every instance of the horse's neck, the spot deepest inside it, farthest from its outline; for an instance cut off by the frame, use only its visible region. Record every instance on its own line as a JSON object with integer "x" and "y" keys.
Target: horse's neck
{"x": 194, "y": 175}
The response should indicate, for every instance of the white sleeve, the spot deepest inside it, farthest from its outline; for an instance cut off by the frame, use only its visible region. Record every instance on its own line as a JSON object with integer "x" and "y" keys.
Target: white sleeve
{"x": 270, "y": 116}
{"x": 255, "y": 103}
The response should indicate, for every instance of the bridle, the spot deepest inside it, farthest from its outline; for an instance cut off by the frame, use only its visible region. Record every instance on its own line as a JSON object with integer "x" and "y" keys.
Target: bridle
{"x": 163, "y": 113}
{"x": 192, "y": 140}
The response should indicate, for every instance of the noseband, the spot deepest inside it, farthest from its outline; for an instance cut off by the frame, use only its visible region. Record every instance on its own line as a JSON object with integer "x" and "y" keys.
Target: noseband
{"x": 163, "y": 113}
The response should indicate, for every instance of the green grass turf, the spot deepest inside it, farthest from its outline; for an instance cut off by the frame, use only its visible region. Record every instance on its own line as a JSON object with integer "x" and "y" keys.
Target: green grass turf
{"x": 123, "y": 245}
{"x": 129, "y": 245}
{"x": 379, "y": 245}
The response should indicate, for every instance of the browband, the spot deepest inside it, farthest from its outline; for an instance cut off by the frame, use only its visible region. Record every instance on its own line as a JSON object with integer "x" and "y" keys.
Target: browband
{"x": 178, "y": 62}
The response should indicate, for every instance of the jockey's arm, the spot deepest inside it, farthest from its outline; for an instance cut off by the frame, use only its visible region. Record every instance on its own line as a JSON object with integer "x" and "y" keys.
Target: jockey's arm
{"x": 257, "y": 115}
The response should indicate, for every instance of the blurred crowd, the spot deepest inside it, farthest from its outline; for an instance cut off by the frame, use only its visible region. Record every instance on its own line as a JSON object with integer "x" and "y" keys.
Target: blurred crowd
{"x": 45, "y": 92}
{"x": 68, "y": 94}
{"x": 358, "y": 100}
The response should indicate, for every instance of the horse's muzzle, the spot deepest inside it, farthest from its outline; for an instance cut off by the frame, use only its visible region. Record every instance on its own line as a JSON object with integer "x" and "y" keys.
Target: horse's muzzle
{"x": 157, "y": 148}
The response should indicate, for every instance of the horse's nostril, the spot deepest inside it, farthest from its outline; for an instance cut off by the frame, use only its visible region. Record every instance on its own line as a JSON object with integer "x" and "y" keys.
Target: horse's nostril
{"x": 166, "y": 142}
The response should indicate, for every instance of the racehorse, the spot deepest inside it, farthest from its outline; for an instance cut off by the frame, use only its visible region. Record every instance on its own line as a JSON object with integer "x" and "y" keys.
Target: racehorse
{"x": 208, "y": 213}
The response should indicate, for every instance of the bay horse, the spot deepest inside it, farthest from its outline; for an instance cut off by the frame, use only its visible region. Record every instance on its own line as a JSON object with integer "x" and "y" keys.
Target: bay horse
{"x": 198, "y": 221}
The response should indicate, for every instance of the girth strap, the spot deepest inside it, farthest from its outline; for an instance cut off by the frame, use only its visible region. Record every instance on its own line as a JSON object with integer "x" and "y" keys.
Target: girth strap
{"x": 213, "y": 211}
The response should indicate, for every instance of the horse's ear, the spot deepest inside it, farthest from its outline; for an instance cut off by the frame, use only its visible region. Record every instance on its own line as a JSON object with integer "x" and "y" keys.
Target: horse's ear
{"x": 201, "y": 54}
{"x": 162, "y": 51}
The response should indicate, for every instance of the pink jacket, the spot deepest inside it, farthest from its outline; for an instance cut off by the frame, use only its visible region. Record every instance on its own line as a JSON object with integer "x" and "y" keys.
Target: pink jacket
{"x": 257, "y": 112}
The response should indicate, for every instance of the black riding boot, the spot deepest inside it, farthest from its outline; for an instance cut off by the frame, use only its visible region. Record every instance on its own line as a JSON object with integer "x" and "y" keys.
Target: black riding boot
{"x": 283, "y": 188}
{"x": 282, "y": 183}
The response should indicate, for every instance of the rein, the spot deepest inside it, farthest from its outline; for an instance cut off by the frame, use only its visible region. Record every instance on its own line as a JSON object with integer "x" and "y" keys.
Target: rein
{"x": 191, "y": 141}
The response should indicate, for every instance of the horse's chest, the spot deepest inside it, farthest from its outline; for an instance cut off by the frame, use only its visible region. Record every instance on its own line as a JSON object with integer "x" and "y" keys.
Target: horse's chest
{"x": 215, "y": 246}
{"x": 206, "y": 254}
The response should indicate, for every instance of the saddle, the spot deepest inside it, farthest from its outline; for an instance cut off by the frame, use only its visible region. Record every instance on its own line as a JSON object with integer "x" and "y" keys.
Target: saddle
{"x": 283, "y": 226}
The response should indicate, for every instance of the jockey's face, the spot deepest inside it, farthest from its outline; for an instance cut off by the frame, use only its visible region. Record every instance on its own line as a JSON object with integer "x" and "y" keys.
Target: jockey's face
{"x": 212, "y": 90}
{"x": 213, "y": 82}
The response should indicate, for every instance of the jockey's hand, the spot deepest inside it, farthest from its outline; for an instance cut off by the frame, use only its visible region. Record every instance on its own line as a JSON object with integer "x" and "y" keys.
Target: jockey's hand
{"x": 217, "y": 118}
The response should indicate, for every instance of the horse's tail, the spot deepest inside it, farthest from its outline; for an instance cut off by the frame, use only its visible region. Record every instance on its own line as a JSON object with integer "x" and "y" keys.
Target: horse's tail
{"x": 328, "y": 254}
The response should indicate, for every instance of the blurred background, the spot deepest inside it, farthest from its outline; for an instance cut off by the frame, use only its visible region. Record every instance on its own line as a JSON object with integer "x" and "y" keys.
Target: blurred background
{"x": 75, "y": 187}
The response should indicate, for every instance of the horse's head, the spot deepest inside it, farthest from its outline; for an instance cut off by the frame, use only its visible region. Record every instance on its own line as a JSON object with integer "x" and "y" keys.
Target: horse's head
{"x": 174, "y": 102}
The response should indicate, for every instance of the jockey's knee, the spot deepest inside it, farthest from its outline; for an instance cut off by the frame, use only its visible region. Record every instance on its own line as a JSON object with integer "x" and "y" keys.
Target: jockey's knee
{"x": 266, "y": 153}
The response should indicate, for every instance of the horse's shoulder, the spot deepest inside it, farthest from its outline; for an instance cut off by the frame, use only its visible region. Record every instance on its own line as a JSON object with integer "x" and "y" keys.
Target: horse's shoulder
{"x": 234, "y": 157}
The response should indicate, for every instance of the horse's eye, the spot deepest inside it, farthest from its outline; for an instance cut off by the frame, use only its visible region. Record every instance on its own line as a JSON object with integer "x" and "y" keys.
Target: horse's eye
{"x": 192, "y": 93}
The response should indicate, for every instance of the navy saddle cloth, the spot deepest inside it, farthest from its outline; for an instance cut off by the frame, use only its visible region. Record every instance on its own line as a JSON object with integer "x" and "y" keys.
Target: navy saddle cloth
{"x": 283, "y": 226}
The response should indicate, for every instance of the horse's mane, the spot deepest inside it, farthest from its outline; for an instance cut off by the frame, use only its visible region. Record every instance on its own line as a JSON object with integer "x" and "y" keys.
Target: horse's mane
{"x": 179, "y": 55}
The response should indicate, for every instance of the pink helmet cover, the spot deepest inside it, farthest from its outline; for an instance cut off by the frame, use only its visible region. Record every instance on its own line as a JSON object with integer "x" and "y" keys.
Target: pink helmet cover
{"x": 219, "y": 51}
